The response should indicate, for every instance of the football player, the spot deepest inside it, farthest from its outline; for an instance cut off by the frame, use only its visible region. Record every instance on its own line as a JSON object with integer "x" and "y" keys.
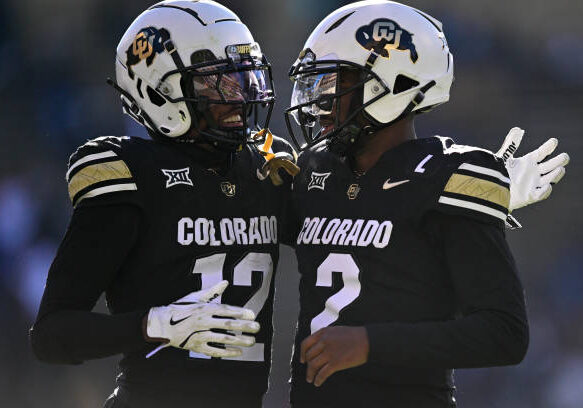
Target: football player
{"x": 175, "y": 229}
{"x": 405, "y": 270}
{"x": 163, "y": 226}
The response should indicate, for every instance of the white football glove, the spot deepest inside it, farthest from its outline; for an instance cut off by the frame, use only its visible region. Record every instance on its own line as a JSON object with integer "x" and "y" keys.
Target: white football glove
{"x": 530, "y": 177}
{"x": 187, "y": 324}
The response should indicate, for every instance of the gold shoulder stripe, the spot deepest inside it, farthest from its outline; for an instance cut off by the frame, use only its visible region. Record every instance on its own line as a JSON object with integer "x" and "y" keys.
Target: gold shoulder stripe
{"x": 96, "y": 173}
{"x": 478, "y": 188}
{"x": 89, "y": 158}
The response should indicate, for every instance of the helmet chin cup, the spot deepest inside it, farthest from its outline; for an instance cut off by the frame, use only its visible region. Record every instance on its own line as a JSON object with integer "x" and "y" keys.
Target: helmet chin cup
{"x": 345, "y": 139}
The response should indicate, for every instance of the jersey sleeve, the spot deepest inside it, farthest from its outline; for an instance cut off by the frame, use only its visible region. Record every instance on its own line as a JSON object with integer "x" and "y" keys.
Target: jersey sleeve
{"x": 475, "y": 184}
{"x": 89, "y": 259}
{"x": 98, "y": 173}
{"x": 491, "y": 328}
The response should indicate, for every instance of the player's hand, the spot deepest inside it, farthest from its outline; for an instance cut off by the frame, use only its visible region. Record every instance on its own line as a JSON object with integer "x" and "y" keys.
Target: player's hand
{"x": 188, "y": 322}
{"x": 275, "y": 161}
{"x": 333, "y": 349}
{"x": 530, "y": 177}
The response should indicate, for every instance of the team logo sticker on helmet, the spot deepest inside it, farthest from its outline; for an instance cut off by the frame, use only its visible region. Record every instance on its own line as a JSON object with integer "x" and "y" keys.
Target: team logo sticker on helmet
{"x": 148, "y": 43}
{"x": 383, "y": 35}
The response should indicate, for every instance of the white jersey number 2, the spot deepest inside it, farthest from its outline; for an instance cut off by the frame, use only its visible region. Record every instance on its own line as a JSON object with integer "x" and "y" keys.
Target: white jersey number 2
{"x": 343, "y": 263}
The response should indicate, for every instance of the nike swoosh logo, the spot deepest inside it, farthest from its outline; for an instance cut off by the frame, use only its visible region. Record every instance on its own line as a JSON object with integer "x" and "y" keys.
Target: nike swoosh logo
{"x": 388, "y": 185}
{"x": 173, "y": 322}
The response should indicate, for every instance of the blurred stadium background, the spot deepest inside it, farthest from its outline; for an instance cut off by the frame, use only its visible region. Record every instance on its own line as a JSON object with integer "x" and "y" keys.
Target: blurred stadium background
{"x": 517, "y": 63}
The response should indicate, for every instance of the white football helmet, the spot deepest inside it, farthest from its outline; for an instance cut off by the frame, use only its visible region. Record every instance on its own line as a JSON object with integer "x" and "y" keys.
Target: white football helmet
{"x": 179, "y": 59}
{"x": 403, "y": 64}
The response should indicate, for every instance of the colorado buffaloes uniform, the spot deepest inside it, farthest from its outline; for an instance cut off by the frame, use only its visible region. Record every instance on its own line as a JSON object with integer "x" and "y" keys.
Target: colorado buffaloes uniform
{"x": 404, "y": 250}
{"x": 194, "y": 227}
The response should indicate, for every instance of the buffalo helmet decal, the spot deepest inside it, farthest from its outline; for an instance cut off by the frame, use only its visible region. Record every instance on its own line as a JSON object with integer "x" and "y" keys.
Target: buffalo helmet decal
{"x": 147, "y": 44}
{"x": 383, "y": 35}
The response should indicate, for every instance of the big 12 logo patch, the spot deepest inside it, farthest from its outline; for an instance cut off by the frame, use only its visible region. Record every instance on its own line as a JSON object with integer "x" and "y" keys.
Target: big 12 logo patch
{"x": 383, "y": 35}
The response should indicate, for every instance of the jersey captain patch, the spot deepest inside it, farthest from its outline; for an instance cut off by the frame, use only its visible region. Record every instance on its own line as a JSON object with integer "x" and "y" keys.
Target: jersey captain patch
{"x": 479, "y": 189}
{"x": 96, "y": 174}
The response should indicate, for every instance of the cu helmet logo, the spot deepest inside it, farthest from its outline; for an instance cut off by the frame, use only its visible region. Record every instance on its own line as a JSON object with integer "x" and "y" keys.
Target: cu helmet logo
{"x": 148, "y": 43}
{"x": 383, "y": 35}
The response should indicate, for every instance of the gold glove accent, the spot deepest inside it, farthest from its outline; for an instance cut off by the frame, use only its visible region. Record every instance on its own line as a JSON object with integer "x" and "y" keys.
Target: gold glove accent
{"x": 280, "y": 160}
{"x": 274, "y": 162}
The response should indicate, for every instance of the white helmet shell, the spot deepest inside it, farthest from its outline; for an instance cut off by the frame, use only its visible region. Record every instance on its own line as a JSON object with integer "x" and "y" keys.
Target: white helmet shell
{"x": 142, "y": 60}
{"x": 407, "y": 42}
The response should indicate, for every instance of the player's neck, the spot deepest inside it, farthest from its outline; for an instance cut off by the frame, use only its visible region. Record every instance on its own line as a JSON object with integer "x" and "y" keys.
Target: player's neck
{"x": 373, "y": 147}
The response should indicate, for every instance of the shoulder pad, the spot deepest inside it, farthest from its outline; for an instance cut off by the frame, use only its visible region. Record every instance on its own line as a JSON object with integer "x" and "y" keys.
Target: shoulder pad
{"x": 98, "y": 168}
{"x": 320, "y": 150}
{"x": 475, "y": 183}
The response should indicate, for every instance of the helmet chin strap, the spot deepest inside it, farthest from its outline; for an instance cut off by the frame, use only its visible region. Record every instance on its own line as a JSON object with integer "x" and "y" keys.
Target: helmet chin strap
{"x": 419, "y": 97}
{"x": 346, "y": 139}
{"x": 343, "y": 143}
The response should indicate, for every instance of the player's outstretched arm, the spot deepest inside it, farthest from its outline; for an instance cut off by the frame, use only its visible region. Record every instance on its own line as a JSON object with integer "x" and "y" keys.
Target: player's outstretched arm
{"x": 531, "y": 176}
{"x": 188, "y": 322}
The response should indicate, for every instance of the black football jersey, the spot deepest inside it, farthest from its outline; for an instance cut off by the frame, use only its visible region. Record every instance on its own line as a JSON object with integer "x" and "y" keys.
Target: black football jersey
{"x": 366, "y": 258}
{"x": 199, "y": 226}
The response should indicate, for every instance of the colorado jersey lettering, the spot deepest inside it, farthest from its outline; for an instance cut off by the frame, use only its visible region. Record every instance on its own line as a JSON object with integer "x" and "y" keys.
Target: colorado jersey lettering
{"x": 316, "y": 231}
{"x": 256, "y": 230}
